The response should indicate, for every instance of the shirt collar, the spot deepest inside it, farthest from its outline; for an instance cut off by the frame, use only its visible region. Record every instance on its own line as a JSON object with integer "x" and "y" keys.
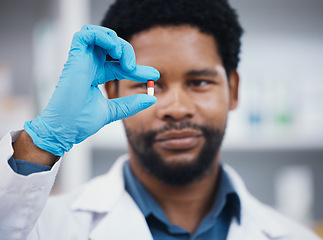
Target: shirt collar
{"x": 226, "y": 194}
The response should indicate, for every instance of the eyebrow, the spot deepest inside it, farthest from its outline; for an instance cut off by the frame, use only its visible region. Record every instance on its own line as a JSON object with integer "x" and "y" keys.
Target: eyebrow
{"x": 202, "y": 72}
{"x": 197, "y": 73}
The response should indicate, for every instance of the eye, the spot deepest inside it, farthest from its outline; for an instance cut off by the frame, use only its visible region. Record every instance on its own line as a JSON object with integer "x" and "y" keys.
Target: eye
{"x": 140, "y": 86}
{"x": 200, "y": 83}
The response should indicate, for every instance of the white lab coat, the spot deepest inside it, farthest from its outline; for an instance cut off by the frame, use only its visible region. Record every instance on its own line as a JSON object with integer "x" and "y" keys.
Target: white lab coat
{"x": 102, "y": 209}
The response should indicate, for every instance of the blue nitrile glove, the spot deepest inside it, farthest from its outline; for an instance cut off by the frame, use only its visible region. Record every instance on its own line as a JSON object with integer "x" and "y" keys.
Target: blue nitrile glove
{"x": 77, "y": 108}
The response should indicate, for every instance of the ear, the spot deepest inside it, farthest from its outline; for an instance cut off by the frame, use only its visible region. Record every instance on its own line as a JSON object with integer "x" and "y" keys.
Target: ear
{"x": 111, "y": 89}
{"x": 234, "y": 89}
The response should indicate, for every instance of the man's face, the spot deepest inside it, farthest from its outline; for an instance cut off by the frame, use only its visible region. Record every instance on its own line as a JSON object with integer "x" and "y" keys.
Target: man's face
{"x": 178, "y": 138}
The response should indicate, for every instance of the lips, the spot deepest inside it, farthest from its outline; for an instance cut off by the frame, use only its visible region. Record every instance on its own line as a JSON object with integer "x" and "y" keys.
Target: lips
{"x": 179, "y": 140}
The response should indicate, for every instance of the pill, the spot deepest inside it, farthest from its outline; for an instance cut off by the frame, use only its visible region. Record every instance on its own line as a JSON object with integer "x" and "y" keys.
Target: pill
{"x": 150, "y": 87}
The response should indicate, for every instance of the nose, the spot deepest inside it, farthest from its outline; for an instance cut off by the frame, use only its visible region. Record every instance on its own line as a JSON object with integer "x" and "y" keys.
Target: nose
{"x": 175, "y": 105}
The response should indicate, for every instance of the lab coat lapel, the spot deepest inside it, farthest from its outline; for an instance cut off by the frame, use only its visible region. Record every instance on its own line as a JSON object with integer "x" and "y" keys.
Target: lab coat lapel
{"x": 106, "y": 195}
{"x": 253, "y": 225}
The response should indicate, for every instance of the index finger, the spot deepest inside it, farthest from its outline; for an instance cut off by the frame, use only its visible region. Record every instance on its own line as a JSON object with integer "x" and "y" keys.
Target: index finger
{"x": 113, "y": 71}
{"x": 127, "y": 56}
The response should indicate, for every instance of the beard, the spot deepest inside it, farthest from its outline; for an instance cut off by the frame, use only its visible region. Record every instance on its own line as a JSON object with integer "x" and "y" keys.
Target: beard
{"x": 176, "y": 173}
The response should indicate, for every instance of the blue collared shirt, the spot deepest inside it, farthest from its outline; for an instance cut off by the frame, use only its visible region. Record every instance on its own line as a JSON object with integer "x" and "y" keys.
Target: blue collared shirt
{"x": 215, "y": 224}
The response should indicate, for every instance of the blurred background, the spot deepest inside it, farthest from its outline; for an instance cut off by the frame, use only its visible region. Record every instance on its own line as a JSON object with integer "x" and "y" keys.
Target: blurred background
{"x": 275, "y": 138}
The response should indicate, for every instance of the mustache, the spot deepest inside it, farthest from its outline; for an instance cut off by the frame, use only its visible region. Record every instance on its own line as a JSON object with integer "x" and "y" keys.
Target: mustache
{"x": 178, "y": 126}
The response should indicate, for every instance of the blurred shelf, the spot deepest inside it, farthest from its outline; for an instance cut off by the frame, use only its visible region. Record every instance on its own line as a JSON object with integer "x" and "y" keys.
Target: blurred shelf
{"x": 14, "y": 111}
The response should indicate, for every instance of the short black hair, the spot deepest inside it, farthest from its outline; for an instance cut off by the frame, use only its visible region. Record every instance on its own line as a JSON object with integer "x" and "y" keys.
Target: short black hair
{"x": 214, "y": 17}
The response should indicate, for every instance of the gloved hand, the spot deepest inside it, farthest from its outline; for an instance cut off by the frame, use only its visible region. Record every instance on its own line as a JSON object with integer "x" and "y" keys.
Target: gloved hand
{"x": 77, "y": 108}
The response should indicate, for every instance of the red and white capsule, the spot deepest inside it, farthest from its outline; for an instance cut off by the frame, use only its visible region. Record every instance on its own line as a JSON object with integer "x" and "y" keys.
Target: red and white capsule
{"x": 150, "y": 88}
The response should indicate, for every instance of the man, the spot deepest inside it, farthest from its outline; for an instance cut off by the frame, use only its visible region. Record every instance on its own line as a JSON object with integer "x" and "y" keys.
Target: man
{"x": 172, "y": 185}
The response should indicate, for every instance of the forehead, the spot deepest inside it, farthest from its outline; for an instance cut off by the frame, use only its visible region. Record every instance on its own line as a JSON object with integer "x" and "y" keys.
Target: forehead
{"x": 175, "y": 44}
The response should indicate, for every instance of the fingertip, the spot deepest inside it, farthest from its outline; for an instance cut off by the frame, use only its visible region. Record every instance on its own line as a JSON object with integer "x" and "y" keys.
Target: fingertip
{"x": 147, "y": 101}
{"x": 115, "y": 54}
{"x": 153, "y": 99}
{"x": 128, "y": 57}
{"x": 152, "y": 72}
{"x": 157, "y": 74}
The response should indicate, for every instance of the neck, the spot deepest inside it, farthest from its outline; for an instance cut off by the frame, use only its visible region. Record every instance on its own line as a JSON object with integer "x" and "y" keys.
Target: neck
{"x": 185, "y": 206}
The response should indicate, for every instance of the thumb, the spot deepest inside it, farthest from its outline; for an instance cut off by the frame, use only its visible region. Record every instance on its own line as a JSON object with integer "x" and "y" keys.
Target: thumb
{"x": 119, "y": 108}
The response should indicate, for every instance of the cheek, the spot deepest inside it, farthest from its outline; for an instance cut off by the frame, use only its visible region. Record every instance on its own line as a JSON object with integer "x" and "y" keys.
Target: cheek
{"x": 214, "y": 108}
